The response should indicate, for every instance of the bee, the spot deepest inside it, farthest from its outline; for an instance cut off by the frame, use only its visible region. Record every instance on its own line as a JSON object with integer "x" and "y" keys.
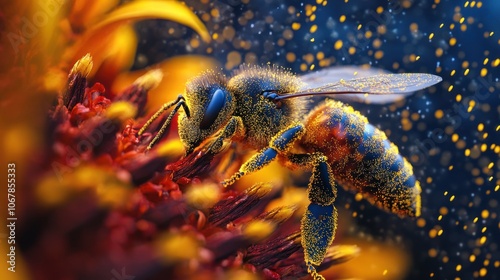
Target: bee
{"x": 265, "y": 109}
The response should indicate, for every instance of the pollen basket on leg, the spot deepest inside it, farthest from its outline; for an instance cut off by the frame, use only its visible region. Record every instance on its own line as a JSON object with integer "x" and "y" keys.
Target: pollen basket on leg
{"x": 318, "y": 230}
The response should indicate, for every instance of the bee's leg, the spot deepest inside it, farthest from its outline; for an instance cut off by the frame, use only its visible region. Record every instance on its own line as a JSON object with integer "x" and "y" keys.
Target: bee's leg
{"x": 278, "y": 144}
{"x": 319, "y": 222}
{"x": 232, "y": 129}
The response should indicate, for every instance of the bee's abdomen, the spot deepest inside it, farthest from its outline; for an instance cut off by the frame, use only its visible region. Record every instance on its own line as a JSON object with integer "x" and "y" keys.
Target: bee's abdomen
{"x": 361, "y": 157}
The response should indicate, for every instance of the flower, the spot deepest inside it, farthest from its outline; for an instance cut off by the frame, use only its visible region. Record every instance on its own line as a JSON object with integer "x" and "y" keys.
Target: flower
{"x": 42, "y": 40}
{"x": 124, "y": 207}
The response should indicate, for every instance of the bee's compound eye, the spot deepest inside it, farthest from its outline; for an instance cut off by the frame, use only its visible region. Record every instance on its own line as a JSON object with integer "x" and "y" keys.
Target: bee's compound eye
{"x": 213, "y": 109}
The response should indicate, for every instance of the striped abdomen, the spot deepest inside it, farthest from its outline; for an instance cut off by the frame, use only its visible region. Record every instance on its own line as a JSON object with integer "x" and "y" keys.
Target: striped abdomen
{"x": 361, "y": 157}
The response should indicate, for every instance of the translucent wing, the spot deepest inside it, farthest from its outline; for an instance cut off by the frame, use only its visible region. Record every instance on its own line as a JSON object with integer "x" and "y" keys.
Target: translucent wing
{"x": 363, "y": 85}
{"x": 336, "y": 73}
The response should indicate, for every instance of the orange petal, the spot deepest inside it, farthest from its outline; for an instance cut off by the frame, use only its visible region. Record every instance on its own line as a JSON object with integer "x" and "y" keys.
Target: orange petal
{"x": 141, "y": 10}
{"x": 115, "y": 55}
{"x": 84, "y": 13}
{"x": 111, "y": 54}
{"x": 274, "y": 173}
{"x": 291, "y": 196}
{"x": 176, "y": 72}
{"x": 178, "y": 247}
{"x": 129, "y": 13}
{"x": 378, "y": 260}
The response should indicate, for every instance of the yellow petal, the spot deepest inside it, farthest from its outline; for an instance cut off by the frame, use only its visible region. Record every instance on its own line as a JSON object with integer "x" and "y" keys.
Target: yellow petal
{"x": 44, "y": 22}
{"x": 66, "y": 182}
{"x": 291, "y": 196}
{"x": 17, "y": 141}
{"x": 111, "y": 53}
{"x": 113, "y": 195}
{"x": 142, "y": 10}
{"x": 117, "y": 56}
{"x": 274, "y": 173}
{"x": 172, "y": 149}
{"x": 258, "y": 230}
{"x": 177, "y": 247}
{"x": 176, "y": 72}
{"x": 342, "y": 253}
{"x": 241, "y": 274}
{"x": 50, "y": 191}
{"x": 129, "y": 13}
{"x": 84, "y": 13}
{"x": 379, "y": 260}
{"x": 203, "y": 196}
{"x": 121, "y": 111}
{"x": 150, "y": 80}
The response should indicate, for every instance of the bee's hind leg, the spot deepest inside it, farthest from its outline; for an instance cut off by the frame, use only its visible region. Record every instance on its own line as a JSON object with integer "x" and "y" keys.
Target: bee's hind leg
{"x": 319, "y": 222}
{"x": 278, "y": 144}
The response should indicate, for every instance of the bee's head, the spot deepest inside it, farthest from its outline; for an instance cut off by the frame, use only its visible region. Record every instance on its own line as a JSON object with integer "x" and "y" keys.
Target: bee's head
{"x": 211, "y": 106}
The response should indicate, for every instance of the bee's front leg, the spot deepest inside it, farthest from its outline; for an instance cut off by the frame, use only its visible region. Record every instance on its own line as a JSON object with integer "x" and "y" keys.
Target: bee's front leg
{"x": 320, "y": 220}
{"x": 234, "y": 128}
{"x": 278, "y": 144}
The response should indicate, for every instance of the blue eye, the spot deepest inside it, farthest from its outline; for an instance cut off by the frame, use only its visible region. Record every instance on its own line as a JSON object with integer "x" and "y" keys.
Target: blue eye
{"x": 219, "y": 99}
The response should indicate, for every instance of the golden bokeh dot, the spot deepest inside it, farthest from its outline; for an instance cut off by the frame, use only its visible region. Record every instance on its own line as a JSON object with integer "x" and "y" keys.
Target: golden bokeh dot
{"x": 288, "y": 34}
{"x": 194, "y": 42}
{"x": 338, "y": 45}
{"x": 233, "y": 59}
{"x": 413, "y": 27}
{"x": 309, "y": 58}
{"x": 228, "y": 33}
{"x": 439, "y": 52}
{"x": 421, "y": 222}
{"x": 251, "y": 58}
{"x": 438, "y": 114}
{"x": 379, "y": 54}
{"x": 433, "y": 253}
{"x": 290, "y": 57}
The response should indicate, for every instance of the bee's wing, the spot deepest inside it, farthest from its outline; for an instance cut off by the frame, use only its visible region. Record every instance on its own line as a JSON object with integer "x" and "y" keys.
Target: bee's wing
{"x": 336, "y": 73}
{"x": 379, "y": 87}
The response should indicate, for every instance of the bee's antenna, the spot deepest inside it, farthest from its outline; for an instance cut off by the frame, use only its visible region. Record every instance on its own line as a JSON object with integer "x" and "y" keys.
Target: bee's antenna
{"x": 178, "y": 102}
